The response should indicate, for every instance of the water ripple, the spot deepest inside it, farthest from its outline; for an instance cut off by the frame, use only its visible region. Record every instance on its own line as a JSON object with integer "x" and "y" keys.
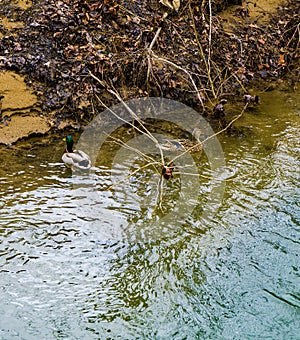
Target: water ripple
{"x": 76, "y": 262}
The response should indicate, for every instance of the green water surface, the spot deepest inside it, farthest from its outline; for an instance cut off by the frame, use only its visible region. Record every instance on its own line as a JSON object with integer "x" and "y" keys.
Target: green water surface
{"x": 76, "y": 261}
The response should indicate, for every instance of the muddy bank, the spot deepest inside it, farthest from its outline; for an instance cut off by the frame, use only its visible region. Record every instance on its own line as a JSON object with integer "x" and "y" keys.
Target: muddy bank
{"x": 20, "y": 115}
{"x": 74, "y": 52}
{"x": 20, "y": 112}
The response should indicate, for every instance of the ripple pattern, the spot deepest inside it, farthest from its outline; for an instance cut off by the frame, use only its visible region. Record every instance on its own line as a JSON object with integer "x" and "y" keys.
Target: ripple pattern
{"x": 72, "y": 266}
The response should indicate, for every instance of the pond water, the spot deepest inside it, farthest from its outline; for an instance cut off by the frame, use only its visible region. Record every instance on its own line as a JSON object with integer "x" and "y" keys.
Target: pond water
{"x": 77, "y": 260}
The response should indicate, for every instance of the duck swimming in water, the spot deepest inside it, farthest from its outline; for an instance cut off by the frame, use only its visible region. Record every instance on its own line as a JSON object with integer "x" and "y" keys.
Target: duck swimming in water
{"x": 251, "y": 99}
{"x": 75, "y": 159}
{"x": 218, "y": 110}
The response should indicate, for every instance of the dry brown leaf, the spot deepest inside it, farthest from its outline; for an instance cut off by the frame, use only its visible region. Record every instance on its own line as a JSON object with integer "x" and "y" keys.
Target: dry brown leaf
{"x": 176, "y": 4}
{"x": 166, "y": 3}
{"x": 281, "y": 60}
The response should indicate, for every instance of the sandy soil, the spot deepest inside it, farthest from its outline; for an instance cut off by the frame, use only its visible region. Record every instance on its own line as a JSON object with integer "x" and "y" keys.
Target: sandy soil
{"x": 19, "y": 105}
{"x": 259, "y": 11}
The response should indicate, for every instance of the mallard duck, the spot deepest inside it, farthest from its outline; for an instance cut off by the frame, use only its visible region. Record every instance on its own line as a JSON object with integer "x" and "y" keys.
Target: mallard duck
{"x": 251, "y": 99}
{"x": 218, "y": 110}
{"x": 75, "y": 159}
{"x": 167, "y": 171}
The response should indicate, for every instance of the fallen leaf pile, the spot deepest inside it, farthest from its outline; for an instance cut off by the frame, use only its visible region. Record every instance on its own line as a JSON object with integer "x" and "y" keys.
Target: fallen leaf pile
{"x": 175, "y": 49}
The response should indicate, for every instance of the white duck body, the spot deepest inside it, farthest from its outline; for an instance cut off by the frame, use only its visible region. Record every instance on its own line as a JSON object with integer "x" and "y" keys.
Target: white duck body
{"x": 75, "y": 159}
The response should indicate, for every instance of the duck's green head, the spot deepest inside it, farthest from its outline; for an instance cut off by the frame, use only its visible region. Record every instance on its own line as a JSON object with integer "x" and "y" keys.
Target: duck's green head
{"x": 70, "y": 142}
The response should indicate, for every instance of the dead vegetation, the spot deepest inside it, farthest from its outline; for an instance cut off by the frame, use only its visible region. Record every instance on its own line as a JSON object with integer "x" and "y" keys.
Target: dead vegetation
{"x": 73, "y": 51}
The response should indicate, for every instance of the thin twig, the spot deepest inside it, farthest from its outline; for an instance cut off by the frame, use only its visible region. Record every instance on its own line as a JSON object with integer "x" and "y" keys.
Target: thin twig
{"x": 183, "y": 70}
{"x": 240, "y": 83}
{"x": 149, "y": 50}
{"x": 128, "y": 147}
{"x": 206, "y": 62}
{"x": 154, "y": 39}
{"x": 132, "y": 113}
{"x": 214, "y": 135}
{"x": 228, "y": 126}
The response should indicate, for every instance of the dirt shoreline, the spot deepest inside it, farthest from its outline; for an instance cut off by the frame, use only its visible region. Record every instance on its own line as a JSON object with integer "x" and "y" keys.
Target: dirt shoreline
{"x": 69, "y": 54}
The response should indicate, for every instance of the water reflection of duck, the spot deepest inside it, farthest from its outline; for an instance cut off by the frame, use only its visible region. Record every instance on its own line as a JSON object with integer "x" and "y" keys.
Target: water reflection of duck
{"x": 75, "y": 159}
